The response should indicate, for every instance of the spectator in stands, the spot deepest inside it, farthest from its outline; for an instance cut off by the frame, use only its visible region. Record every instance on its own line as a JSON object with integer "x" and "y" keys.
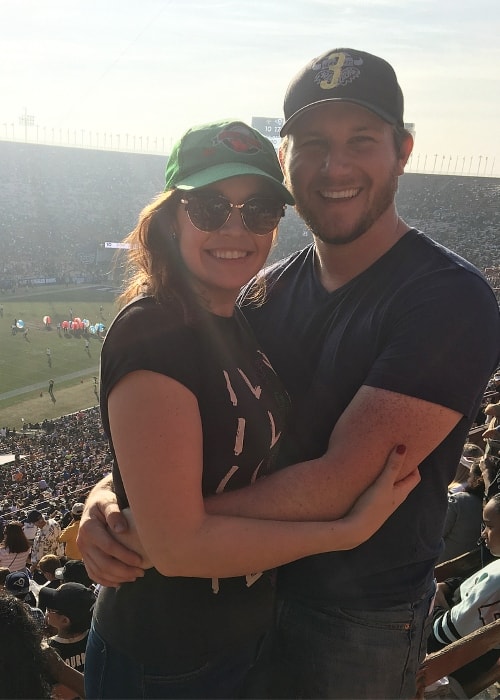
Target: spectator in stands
{"x": 28, "y": 667}
{"x": 69, "y": 611}
{"x": 470, "y": 452}
{"x": 492, "y": 433}
{"x": 48, "y": 565}
{"x": 46, "y": 539}
{"x": 186, "y": 348}
{"x": 464, "y": 606}
{"x": 15, "y": 548}
{"x": 74, "y": 571}
{"x": 69, "y": 534}
{"x": 490, "y": 469}
{"x": 19, "y": 584}
{"x": 363, "y": 328}
{"x": 464, "y": 516}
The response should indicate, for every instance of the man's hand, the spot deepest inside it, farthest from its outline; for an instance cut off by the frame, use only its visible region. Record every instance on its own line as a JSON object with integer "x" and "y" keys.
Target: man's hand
{"x": 107, "y": 561}
{"x": 442, "y": 591}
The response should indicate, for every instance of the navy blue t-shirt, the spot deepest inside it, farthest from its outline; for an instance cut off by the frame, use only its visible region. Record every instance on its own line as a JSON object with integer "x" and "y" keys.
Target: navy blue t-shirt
{"x": 420, "y": 321}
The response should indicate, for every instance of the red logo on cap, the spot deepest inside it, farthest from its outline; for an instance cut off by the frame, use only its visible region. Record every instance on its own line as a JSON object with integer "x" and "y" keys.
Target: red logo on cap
{"x": 238, "y": 139}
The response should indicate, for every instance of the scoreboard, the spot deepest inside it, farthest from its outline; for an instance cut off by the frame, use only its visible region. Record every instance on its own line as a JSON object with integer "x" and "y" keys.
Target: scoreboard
{"x": 270, "y": 127}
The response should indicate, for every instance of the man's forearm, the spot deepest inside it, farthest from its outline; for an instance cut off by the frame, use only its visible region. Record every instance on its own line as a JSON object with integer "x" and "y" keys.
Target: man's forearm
{"x": 327, "y": 487}
{"x": 306, "y": 491}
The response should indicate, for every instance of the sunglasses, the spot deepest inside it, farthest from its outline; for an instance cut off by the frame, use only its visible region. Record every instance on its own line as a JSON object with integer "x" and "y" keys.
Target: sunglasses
{"x": 260, "y": 215}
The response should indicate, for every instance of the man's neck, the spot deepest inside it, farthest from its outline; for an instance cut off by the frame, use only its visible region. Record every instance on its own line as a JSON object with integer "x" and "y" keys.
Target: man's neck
{"x": 337, "y": 265}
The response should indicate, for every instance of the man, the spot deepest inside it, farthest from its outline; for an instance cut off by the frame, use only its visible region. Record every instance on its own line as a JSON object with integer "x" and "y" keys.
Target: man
{"x": 374, "y": 331}
{"x": 69, "y": 534}
{"x": 46, "y": 540}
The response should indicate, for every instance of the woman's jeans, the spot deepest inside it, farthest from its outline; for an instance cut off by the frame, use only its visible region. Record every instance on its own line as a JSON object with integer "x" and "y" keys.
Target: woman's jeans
{"x": 111, "y": 674}
{"x": 331, "y": 652}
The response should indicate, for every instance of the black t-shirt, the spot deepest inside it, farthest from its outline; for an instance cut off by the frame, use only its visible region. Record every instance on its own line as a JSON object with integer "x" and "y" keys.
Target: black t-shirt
{"x": 420, "y": 321}
{"x": 71, "y": 651}
{"x": 175, "y": 621}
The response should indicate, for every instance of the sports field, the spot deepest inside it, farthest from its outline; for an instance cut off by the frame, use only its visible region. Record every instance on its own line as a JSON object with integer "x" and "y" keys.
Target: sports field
{"x": 25, "y": 365}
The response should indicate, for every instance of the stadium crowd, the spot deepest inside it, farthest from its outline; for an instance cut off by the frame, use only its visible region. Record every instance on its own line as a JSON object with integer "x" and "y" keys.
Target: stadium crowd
{"x": 58, "y": 206}
{"x": 46, "y": 596}
{"x": 55, "y": 464}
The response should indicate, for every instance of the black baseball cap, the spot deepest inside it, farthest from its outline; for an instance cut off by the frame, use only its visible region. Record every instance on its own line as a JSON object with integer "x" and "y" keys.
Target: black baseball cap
{"x": 74, "y": 570}
{"x": 74, "y": 600}
{"x": 34, "y": 516}
{"x": 345, "y": 75}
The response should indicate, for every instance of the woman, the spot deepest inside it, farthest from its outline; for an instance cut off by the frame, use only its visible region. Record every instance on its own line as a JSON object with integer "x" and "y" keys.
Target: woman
{"x": 192, "y": 407}
{"x": 15, "y": 548}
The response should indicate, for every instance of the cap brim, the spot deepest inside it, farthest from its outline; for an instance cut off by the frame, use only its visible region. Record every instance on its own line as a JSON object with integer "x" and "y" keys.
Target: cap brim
{"x": 219, "y": 172}
{"x": 46, "y": 595}
{"x": 285, "y": 129}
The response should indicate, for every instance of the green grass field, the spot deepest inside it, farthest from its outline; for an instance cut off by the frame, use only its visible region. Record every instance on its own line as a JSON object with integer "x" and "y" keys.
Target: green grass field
{"x": 24, "y": 367}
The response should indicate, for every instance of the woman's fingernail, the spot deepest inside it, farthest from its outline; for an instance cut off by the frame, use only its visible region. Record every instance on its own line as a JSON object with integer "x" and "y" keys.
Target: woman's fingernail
{"x": 401, "y": 449}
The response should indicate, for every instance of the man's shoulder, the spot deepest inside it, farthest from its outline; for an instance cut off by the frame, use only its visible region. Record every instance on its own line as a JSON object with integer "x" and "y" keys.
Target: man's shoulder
{"x": 291, "y": 261}
{"x": 294, "y": 266}
{"x": 439, "y": 276}
{"x": 441, "y": 256}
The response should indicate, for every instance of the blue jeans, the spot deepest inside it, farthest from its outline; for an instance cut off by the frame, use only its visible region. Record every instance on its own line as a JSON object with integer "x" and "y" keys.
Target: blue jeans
{"x": 111, "y": 674}
{"x": 329, "y": 652}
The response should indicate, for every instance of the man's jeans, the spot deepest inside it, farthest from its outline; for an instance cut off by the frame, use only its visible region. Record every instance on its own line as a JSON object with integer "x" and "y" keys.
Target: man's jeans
{"x": 338, "y": 653}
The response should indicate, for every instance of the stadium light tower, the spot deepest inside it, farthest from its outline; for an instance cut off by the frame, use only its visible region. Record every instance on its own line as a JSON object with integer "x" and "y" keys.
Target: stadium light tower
{"x": 26, "y": 120}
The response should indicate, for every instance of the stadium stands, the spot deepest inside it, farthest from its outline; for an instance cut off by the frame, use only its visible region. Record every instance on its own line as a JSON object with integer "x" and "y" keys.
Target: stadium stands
{"x": 60, "y": 204}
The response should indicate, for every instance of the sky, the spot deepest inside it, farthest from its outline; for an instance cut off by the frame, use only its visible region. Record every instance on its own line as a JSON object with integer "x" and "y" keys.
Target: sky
{"x": 136, "y": 74}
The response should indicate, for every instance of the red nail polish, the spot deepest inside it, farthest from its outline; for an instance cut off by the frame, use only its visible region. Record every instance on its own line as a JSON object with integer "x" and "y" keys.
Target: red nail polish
{"x": 401, "y": 449}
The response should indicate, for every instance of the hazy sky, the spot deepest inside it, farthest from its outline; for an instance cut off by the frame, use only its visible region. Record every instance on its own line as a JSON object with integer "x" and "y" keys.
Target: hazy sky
{"x": 151, "y": 68}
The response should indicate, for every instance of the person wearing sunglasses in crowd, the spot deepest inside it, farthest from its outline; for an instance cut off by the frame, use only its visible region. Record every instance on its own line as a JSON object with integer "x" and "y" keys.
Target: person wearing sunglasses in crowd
{"x": 192, "y": 407}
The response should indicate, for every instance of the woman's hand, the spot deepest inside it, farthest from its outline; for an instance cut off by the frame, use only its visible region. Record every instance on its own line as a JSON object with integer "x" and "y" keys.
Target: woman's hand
{"x": 107, "y": 561}
{"x": 382, "y": 498}
{"x": 130, "y": 538}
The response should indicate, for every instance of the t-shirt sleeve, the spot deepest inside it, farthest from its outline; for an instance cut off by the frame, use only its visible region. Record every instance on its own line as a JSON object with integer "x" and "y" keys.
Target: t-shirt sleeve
{"x": 149, "y": 337}
{"x": 442, "y": 341}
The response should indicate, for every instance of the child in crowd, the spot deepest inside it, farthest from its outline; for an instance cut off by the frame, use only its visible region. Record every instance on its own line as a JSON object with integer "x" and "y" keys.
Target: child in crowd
{"x": 69, "y": 612}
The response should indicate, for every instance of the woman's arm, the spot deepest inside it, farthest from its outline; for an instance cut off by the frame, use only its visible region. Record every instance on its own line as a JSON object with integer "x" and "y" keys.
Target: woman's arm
{"x": 157, "y": 436}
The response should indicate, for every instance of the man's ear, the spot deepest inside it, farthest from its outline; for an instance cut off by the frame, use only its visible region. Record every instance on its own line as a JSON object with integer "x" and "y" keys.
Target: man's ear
{"x": 282, "y": 153}
{"x": 281, "y": 156}
{"x": 405, "y": 152}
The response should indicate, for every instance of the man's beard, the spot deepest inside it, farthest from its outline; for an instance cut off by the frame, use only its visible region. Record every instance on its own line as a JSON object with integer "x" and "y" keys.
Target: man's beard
{"x": 384, "y": 198}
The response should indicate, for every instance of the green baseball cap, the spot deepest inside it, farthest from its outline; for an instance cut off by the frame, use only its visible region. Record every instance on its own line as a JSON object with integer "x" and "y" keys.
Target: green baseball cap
{"x": 211, "y": 152}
